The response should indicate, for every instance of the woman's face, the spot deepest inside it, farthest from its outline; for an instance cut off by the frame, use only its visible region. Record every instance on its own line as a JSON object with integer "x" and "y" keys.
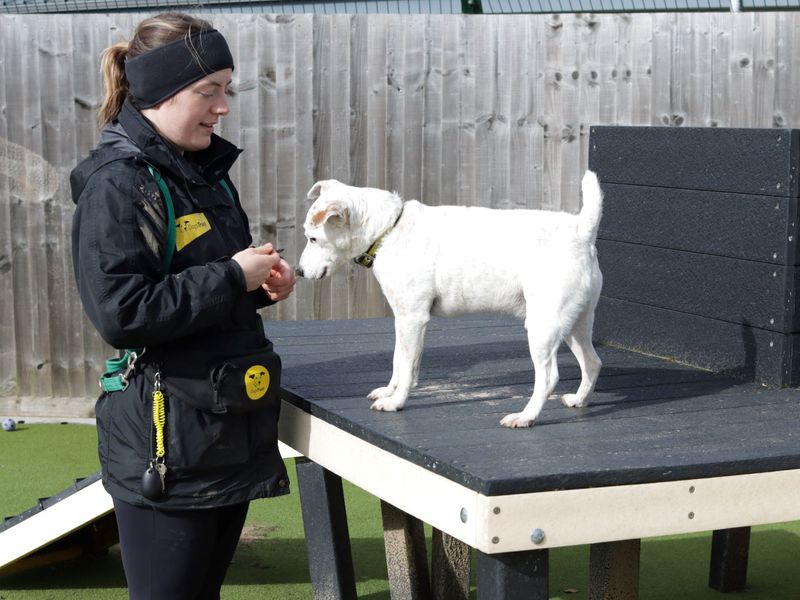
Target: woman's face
{"x": 187, "y": 119}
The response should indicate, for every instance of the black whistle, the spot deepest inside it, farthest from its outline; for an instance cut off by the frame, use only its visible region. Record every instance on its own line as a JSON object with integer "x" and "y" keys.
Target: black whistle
{"x": 151, "y": 484}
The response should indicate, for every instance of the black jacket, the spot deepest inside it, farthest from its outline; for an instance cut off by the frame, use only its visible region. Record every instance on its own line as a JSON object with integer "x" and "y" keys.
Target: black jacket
{"x": 195, "y": 316}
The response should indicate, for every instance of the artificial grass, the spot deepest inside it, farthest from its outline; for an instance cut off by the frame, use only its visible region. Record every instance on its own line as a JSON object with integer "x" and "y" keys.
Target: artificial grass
{"x": 42, "y": 459}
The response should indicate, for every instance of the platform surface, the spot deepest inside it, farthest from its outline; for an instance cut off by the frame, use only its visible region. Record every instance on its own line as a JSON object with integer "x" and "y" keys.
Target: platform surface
{"x": 650, "y": 420}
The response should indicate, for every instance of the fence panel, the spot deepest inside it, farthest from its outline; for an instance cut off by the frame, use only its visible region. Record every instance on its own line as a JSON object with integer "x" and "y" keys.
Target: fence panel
{"x": 450, "y": 109}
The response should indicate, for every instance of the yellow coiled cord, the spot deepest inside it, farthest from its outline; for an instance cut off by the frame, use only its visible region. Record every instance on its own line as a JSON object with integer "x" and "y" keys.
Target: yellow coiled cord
{"x": 159, "y": 419}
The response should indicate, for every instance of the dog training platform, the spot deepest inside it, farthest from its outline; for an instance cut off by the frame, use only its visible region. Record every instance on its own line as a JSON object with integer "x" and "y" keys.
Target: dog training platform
{"x": 662, "y": 449}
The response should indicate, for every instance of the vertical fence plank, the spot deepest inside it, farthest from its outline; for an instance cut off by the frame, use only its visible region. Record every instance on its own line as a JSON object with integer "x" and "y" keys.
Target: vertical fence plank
{"x": 433, "y": 149}
{"x": 450, "y": 112}
{"x": 27, "y": 213}
{"x": 414, "y": 82}
{"x": 642, "y": 70}
{"x": 488, "y": 127}
{"x": 517, "y": 59}
{"x": 360, "y": 300}
{"x": 661, "y": 66}
{"x": 374, "y": 138}
{"x": 552, "y": 119}
{"x": 304, "y": 151}
{"x": 250, "y": 124}
{"x": 59, "y": 117}
{"x": 341, "y": 71}
{"x": 764, "y": 67}
{"x": 469, "y": 167}
{"x": 720, "y": 75}
{"x": 741, "y": 59}
{"x": 9, "y": 384}
{"x": 289, "y": 199}
{"x": 537, "y": 33}
{"x": 323, "y": 86}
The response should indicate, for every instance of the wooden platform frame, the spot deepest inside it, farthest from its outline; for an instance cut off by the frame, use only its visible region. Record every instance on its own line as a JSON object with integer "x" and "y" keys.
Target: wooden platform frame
{"x": 512, "y": 533}
{"x": 496, "y": 524}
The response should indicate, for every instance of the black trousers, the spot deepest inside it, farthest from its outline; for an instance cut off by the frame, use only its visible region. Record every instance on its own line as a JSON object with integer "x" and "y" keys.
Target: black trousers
{"x": 177, "y": 555}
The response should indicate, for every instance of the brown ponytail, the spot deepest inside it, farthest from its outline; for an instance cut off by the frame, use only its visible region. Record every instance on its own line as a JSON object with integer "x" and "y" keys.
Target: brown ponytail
{"x": 150, "y": 34}
{"x": 112, "y": 65}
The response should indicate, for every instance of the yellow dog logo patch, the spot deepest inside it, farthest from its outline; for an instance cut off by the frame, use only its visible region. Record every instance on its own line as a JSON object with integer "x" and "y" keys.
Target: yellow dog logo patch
{"x": 190, "y": 227}
{"x": 256, "y": 381}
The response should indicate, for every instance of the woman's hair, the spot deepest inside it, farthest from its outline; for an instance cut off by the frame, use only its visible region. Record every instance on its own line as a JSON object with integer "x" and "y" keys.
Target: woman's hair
{"x": 150, "y": 34}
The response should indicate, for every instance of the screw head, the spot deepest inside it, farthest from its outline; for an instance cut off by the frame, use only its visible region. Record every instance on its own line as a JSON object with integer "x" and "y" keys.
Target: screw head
{"x": 464, "y": 515}
{"x": 537, "y": 536}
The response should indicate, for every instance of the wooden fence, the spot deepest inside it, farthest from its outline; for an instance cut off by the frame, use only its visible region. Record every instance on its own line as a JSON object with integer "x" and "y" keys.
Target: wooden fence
{"x": 449, "y": 109}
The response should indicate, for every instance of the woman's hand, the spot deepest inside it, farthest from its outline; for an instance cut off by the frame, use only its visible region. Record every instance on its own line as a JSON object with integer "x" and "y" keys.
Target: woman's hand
{"x": 257, "y": 265}
{"x": 280, "y": 282}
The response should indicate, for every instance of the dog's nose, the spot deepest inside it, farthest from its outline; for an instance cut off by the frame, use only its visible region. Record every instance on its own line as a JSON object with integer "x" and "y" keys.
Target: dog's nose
{"x": 299, "y": 271}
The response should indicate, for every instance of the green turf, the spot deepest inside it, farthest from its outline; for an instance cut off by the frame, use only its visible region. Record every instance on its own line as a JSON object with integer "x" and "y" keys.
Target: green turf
{"x": 40, "y": 460}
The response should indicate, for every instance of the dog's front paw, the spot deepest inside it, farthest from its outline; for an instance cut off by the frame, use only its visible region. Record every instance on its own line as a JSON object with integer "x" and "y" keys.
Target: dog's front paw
{"x": 571, "y": 400}
{"x": 387, "y": 405}
{"x": 516, "y": 420}
{"x": 381, "y": 392}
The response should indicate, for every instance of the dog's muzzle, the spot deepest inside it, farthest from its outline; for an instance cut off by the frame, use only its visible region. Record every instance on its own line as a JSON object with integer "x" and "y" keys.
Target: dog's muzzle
{"x": 301, "y": 273}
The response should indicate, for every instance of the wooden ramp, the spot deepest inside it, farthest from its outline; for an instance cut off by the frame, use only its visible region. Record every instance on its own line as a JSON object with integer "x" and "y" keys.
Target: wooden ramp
{"x": 78, "y": 520}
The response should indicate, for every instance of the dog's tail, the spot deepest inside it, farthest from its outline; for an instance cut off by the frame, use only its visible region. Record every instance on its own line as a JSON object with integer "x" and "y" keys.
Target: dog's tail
{"x": 592, "y": 210}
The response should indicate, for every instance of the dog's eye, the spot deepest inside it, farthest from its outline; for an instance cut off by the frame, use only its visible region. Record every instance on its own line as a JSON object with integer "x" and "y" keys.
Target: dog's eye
{"x": 312, "y": 240}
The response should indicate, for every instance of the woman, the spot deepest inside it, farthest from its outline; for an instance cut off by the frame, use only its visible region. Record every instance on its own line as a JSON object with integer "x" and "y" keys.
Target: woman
{"x": 187, "y": 423}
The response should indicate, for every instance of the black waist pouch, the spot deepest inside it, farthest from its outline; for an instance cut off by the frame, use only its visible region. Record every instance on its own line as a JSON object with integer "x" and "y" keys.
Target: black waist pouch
{"x": 223, "y": 384}
{"x": 247, "y": 383}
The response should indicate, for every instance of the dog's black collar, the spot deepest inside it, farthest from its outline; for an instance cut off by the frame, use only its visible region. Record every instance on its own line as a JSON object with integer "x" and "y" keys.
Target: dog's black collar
{"x": 367, "y": 259}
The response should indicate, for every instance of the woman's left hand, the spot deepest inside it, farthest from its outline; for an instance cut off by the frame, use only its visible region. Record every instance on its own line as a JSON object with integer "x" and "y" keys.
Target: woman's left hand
{"x": 280, "y": 283}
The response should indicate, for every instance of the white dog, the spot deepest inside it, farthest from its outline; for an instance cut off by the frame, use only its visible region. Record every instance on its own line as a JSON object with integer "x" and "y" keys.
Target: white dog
{"x": 447, "y": 260}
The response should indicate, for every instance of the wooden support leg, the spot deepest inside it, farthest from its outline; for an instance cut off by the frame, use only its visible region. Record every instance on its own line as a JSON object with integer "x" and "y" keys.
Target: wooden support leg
{"x": 513, "y": 575}
{"x": 406, "y": 554}
{"x": 450, "y": 567}
{"x": 729, "y": 552}
{"x": 614, "y": 570}
{"x": 330, "y": 561}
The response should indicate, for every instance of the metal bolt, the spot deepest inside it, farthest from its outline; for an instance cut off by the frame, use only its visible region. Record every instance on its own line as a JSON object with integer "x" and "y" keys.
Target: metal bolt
{"x": 495, "y": 540}
{"x": 537, "y": 536}
{"x": 691, "y": 515}
{"x": 691, "y": 489}
{"x": 464, "y": 515}
{"x": 496, "y": 510}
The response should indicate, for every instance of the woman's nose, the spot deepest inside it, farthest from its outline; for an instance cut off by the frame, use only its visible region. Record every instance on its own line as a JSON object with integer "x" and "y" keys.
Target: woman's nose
{"x": 221, "y": 108}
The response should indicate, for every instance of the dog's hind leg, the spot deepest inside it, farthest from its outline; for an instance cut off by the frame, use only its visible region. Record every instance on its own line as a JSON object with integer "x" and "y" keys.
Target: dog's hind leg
{"x": 543, "y": 340}
{"x": 409, "y": 340}
{"x": 579, "y": 341}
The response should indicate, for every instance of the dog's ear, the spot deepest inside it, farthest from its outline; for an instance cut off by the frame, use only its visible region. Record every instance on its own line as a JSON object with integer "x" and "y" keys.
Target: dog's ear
{"x": 315, "y": 191}
{"x": 335, "y": 212}
{"x": 319, "y": 187}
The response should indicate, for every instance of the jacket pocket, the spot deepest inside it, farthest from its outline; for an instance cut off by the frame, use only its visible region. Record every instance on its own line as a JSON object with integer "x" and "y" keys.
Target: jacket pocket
{"x": 198, "y": 440}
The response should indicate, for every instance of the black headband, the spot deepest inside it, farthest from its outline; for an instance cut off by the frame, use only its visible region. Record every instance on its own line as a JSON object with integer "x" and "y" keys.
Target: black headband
{"x": 163, "y": 72}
